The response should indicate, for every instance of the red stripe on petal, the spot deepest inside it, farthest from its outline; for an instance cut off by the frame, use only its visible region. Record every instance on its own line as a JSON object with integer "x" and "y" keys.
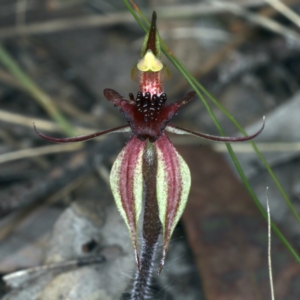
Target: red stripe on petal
{"x": 127, "y": 173}
{"x": 127, "y": 186}
{"x": 173, "y": 185}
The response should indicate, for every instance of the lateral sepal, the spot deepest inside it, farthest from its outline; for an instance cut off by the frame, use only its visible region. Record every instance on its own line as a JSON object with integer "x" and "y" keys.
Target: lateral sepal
{"x": 173, "y": 186}
{"x": 126, "y": 181}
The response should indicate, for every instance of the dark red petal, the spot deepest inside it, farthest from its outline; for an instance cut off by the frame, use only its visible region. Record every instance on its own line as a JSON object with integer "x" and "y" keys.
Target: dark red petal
{"x": 186, "y": 99}
{"x": 114, "y": 97}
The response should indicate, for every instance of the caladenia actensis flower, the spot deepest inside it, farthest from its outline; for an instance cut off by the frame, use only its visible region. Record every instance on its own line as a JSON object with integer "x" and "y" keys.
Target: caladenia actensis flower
{"x": 149, "y": 177}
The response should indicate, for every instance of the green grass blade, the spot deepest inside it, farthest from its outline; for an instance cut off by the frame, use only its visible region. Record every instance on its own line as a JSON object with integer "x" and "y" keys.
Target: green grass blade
{"x": 232, "y": 119}
{"x": 196, "y": 85}
{"x": 199, "y": 89}
{"x": 259, "y": 154}
{"x": 42, "y": 98}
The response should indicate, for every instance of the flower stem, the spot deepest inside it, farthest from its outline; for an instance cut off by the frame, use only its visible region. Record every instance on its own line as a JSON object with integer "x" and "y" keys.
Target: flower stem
{"x": 151, "y": 228}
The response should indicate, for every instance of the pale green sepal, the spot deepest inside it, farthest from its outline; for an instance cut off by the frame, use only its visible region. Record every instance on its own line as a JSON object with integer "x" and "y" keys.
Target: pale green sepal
{"x": 186, "y": 186}
{"x": 163, "y": 189}
{"x": 173, "y": 174}
{"x": 173, "y": 185}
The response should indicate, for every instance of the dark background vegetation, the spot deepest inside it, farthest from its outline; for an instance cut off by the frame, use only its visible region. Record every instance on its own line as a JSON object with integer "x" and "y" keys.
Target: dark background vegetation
{"x": 55, "y": 202}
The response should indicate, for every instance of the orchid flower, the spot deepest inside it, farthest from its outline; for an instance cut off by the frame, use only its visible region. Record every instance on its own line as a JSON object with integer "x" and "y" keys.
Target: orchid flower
{"x": 149, "y": 175}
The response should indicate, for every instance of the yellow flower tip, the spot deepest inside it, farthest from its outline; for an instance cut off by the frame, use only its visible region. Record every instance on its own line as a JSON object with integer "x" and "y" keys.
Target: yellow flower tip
{"x": 150, "y": 63}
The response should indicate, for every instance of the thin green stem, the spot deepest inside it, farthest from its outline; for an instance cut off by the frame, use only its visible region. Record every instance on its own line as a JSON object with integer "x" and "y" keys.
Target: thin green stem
{"x": 41, "y": 97}
{"x": 199, "y": 89}
{"x": 196, "y": 85}
{"x": 259, "y": 154}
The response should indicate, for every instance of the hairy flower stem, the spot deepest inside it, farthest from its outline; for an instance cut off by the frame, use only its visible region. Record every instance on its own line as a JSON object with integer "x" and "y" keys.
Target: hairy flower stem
{"x": 151, "y": 227}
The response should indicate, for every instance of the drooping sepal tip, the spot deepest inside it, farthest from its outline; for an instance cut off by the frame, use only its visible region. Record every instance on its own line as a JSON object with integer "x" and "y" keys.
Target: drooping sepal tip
{"x": 162, "y": 261}
{"x": 137, "y": 259}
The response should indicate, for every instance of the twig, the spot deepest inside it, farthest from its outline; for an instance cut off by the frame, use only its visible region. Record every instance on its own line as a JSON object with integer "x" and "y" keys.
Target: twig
{"x": 264, "y": 147}
{"x": 260, "y": 20}
{"x": 22, "y": 280}
{"x": 176, "y": 11}
{"x": 18, "y": 119}
{"x": 269, "y": 246}
{"x": 285, "y": 10}
{"x": 195, "y": 32}
{"x": 40, "y": 96}
{"x": 103, "y": 173}
{"x": 80, "y": 262}
{"x": 77, "y": 113}
{"x": 78, "y": 165}
{"x": 214, "y": 60}
{"x": 21, "y": 7}
{"x": 68, "y": 24}
{"x": 62, "y": 104}
{"x": 10, "y": 9}
{"x": 38, "y": 151}
{"x": 241, "y": 148}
